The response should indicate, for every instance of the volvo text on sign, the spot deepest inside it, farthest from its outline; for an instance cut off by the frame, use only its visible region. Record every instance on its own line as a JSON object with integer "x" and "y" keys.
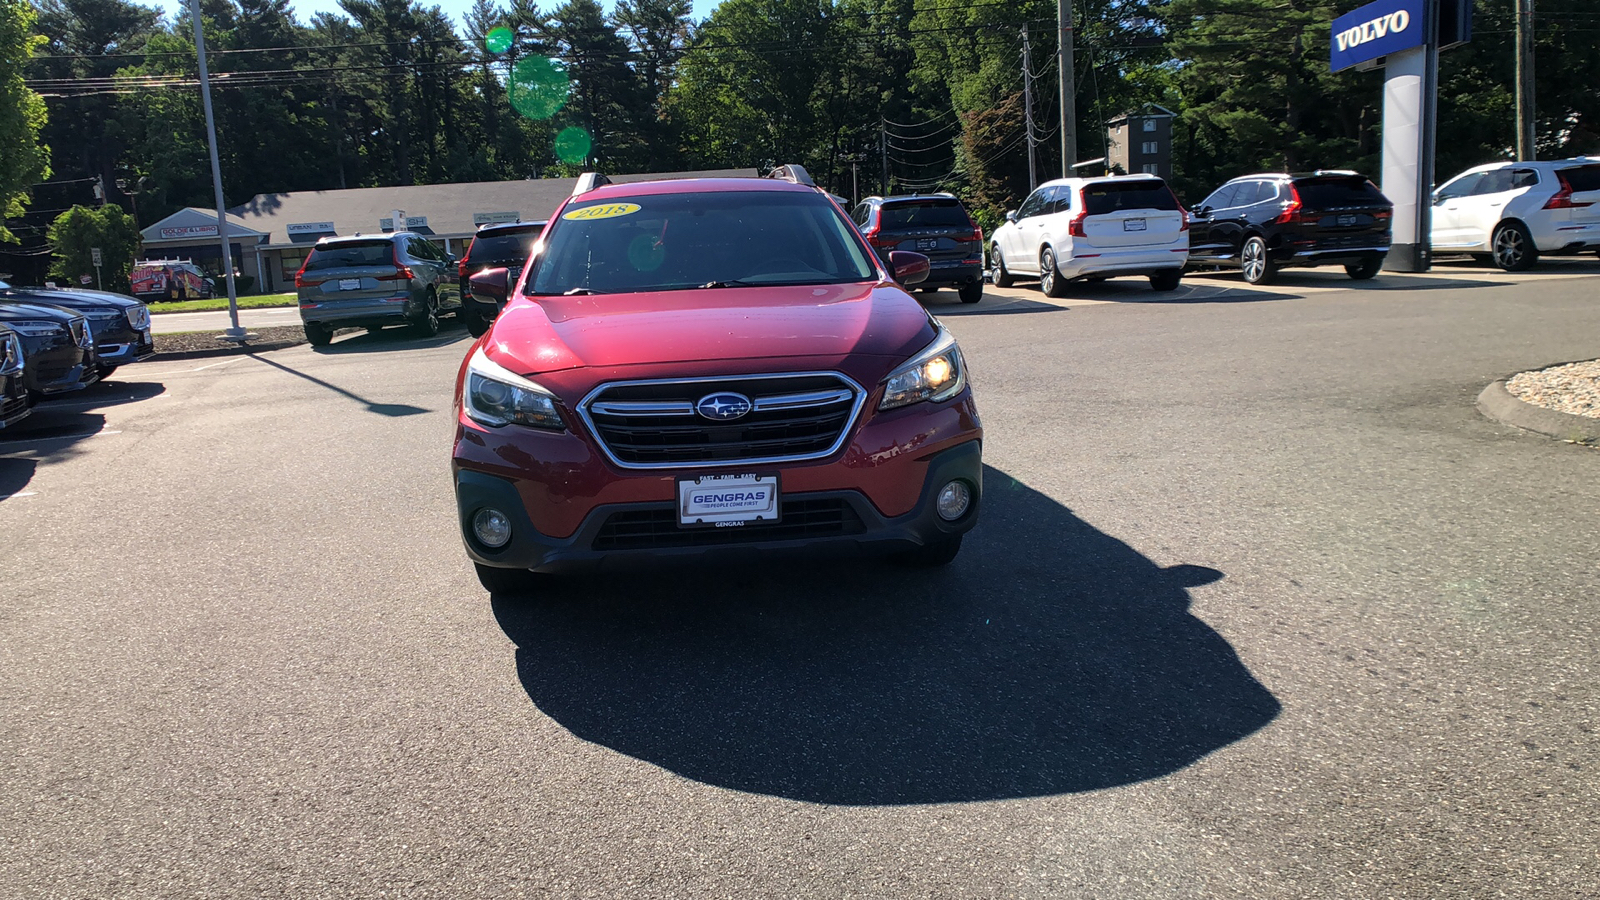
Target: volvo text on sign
{"x": 1377, "y": 29}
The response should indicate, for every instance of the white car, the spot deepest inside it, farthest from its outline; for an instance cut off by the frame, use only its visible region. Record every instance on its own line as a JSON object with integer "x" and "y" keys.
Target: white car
{"x": 1093, "y": 228}
{"x": 1508, "y": 213}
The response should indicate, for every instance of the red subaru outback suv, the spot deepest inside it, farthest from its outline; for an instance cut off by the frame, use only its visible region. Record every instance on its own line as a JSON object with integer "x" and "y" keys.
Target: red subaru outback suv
{"x": 709, "y": 366}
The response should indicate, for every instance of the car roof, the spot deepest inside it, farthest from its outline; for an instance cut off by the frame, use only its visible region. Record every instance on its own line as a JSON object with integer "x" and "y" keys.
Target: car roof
{"x": 494, "y": 228}
{"x": 358, "y": 236}
{"x": 692, "y": 186}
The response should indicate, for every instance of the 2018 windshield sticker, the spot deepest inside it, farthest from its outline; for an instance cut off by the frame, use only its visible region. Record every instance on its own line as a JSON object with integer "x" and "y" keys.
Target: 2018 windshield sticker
{"x": 603, "y": 211}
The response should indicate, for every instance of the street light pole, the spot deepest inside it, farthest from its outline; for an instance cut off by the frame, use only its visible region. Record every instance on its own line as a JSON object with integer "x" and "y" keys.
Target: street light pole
{"x": 234, "y": 333}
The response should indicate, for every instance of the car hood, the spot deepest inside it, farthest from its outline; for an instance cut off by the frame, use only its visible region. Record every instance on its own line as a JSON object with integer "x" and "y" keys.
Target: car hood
{"x": 72, "y": 299}
{"x": 833, "y": 320}
{"x": 12, "y": 310}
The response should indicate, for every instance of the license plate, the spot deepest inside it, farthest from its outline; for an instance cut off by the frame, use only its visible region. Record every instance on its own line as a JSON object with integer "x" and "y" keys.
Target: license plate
{"x": 349, "y": 284}
{"x": 727, "y": 501}
{"x": 1132, "y": 224}
{"x": 1346, "y": 221}
{"x": 927, "y": 243}
{"x": 513, "y": 273}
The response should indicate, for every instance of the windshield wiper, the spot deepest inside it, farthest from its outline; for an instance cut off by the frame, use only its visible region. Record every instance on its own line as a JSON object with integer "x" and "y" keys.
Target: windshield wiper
{"x": 730, "y": 283}
{"x": 578, "y": 290}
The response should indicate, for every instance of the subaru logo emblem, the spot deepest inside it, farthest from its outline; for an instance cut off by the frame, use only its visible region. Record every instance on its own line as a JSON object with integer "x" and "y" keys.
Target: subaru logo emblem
{"x": 724, "y": 407}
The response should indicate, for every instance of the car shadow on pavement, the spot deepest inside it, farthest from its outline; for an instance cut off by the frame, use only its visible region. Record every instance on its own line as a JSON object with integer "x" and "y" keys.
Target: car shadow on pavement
{"x": 394, "y": 410}
{"x": 1049, "y": 658}
{"x": 398, "y": 338}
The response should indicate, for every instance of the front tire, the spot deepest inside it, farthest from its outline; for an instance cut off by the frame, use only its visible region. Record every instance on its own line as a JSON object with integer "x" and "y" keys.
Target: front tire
{"x": 477, "y": 325}
{"x": 932, "y": 555}
{"x": 1256, "y": 263}
{"x": 1513, "y": 247}
{"x": 496, "y": 580}
{"x": 1050, "y": 280}
{"x": 1002, "y": 275}
{"x": 1365, "y": 269}
{"x": 1166, "y": 280}
{"x": 428, "y": 325}
{"x": 971, "y": 293}
{"x": 318, "y": 334}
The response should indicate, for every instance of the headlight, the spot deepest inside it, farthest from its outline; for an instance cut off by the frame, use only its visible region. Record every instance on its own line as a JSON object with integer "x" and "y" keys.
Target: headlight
{"x": 937, "y": 373}
{"x": 36, "y": 327}
{"x": 496, "y": 396}
{"x": 139, "y": 317}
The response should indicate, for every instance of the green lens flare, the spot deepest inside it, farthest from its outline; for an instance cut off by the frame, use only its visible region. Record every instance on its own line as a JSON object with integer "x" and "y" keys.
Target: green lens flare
{"x": 572, "y": 145}
{"x": 539, "y": 87}
{"x": 498, "y": 40}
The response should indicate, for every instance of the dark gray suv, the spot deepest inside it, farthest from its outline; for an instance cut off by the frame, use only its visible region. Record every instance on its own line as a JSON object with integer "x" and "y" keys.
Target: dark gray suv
{"x": 369, "y": 281}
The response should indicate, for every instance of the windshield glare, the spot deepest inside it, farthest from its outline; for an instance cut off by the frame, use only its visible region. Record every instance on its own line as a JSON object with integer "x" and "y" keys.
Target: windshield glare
{"x": 679, "y": 241}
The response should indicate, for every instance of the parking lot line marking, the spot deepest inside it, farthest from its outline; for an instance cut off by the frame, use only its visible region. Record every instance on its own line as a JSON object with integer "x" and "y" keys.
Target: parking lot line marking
{"x": 228, "y": 362}
{"x": 19, "y": 494}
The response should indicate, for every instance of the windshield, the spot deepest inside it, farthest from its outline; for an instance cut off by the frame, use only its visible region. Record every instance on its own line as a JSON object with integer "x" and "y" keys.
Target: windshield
{"x": 675, "y": 241}
{"x": 362, "y": 253}
{"x": 503, "y": 245}
{"x": 1103, "y": 197}
{"x": 925, "y": 214}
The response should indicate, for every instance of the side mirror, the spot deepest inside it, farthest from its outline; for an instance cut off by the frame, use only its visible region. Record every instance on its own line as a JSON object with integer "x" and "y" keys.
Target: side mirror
{"x": 907, "y": 267}
{"x": 1011, "y": 216}
{"x": 490, "y": 284}
{"x": 1439, "y": 198}
{"x": 1202, "y": 212}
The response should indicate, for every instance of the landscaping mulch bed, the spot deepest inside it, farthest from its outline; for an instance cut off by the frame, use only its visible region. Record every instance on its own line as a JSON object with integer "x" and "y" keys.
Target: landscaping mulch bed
{"x": 191, "y": 344}
{"x": 1573, "y": 388}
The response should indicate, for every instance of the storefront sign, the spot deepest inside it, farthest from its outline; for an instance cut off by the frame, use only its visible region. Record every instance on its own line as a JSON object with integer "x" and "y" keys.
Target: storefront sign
{"x": 489, "y": 218}
{"x": 387, "y": 222}
{"x": 1377, "y": 29}
{"x": 188, "y": 231}
{"x": 310, "y": 228}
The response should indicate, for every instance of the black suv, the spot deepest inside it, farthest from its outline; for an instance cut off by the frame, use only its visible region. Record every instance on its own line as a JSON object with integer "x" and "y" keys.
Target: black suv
{"x": 57, "y": 348}
{"x": 1262, "y": 223}
{"x": 935, "y": 225}
{"x": 500, "y": 246}
{"x": 121, "y": 324}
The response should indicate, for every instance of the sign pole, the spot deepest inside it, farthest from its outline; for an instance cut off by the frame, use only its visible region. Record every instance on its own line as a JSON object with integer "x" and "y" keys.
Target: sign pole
{"x": 96, "y": 258}
{"x": 233, "y": 333}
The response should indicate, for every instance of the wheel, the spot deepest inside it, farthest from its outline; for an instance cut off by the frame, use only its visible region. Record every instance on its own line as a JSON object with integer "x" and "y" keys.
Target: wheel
{"x": 1255, "y": 263}
{"x": 1364, "y": 269}
{"x": 105, "y": 371}
{"x": 507, "y": 581}
{"x": 476, "y": 324}
{"x": 1002, "y": 275}
{"x": 319, "y": 334}
{"x": 971, "y": 292}
{"x": 1166, "y": 280}
{"x": 1513, "y": 247}
{"x": 1050, "y": 280}
{"x": 932, "y": 555}
{"x": 428, "y": 325}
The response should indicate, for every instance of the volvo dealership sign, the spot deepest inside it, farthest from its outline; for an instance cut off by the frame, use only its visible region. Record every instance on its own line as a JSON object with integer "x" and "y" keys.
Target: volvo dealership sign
{"x": 1377, "y": 29}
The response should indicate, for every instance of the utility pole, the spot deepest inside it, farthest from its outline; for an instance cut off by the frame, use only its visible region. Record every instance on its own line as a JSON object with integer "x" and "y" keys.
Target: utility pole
{"x": 883, "y": 155}
{"x": 1069, "y": 88}
{"x": 1027, "y": 105}
{"x": 855, "y": 183}
{"x": 233, "y": 333}
{"x": 1526, "y": 151}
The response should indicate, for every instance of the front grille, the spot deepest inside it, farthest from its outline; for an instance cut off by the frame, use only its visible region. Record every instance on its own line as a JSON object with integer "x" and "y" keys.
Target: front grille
{"x": 80, "y": 332}
{"x": 649, "y": 529}
{"x": 654, "y": 424}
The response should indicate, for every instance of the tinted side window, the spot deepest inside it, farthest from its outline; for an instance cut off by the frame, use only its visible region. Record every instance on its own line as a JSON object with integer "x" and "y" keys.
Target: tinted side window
{"x": 862, "y": 212}
{"x": 1035, "y": 203}
{"x": 1220, "y": 197}
{"x": 1494, "y": 182}
{"x": 1524, "y": 178}
{"x": 1465, "y": 186}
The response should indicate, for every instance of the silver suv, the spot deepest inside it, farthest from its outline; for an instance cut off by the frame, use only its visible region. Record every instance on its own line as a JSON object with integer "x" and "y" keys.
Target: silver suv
{"x": 369, "y": 281}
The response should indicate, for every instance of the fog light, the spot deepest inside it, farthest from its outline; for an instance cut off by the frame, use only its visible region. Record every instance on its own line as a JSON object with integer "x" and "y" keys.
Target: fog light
{"x": 954, "y": 499}
{"x": 491, "y": 527}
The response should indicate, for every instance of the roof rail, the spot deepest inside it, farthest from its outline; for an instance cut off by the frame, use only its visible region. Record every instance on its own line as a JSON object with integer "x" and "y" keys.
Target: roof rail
{"x": 588, "y": 181}
{"x": 792, "y": 173}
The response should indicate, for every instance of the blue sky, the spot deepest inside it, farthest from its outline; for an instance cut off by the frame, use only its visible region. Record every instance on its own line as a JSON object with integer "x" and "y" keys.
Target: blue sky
{"x": 305, "y": 9}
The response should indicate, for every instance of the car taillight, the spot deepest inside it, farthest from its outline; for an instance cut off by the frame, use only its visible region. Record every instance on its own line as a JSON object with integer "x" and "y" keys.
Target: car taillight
{"x": 461, "y": 268}
{"x": 300, "y": 280}
{"x": 1292, "y": 214}
{"x": 1075, "y": 227}
{"x": 402, "y": 272}
{"x": 1183, "y": 217}
{"x": 975, "y": 238}
{"x": 1562, "y": 199}
{"x": 1383, "y": 214}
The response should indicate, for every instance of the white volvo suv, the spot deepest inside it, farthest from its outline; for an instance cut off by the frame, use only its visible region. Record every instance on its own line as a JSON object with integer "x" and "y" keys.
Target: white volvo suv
{"x": 1509, "y": 213}
{"x": 1093, "y": 228}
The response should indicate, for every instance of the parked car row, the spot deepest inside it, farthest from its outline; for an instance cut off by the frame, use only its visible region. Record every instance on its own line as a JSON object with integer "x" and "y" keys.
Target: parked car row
{"x": 59, "y": 340}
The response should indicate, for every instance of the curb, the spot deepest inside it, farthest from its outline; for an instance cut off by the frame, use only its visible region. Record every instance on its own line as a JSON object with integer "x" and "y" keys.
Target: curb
{"x": 239, "y": 350}
{"x": 201, "y": 312}
{"x": 1499, "y": 404}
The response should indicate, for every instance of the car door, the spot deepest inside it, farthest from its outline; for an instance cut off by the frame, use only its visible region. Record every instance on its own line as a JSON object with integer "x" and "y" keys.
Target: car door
{"x": 1021, "y": 254}
{"x": 1204, "y": 242}
{"x": 1446, "y": 229}
{"x": 1229, "y": 224}
{"x": 1481, "y": 211}
{"x": 1036, "y": 227}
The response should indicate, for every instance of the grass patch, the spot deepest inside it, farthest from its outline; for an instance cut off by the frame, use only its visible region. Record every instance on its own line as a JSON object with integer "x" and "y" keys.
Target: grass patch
{"x": 214, "y": 303}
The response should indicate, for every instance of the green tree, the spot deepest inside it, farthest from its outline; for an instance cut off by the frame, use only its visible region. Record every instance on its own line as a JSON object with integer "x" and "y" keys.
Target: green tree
{"x": 23, "y": 160}
{"x": 80, "y": 229}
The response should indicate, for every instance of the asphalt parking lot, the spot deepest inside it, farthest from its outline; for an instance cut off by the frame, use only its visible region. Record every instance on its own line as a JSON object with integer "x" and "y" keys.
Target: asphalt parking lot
{"x": 1260, "y": 606}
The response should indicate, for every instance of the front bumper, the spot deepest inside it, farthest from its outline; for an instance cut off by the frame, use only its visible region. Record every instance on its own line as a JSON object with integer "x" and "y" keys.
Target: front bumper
{"x": 59, "y": 369}
{"x": 14, "y": 405}
{"x": 123, "y": 347}
{"x": 850, "y": 524}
